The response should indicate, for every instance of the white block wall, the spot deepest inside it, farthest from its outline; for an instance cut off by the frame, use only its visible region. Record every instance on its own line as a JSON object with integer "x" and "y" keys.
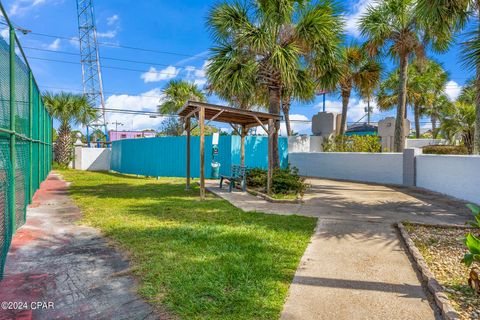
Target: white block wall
{"x": 457, "y": 176}
{"x": 305, "y": 144}
{"x": 92, "y": 159}
{"x": 368, "y": 167}
{"x": 420, "y": 143}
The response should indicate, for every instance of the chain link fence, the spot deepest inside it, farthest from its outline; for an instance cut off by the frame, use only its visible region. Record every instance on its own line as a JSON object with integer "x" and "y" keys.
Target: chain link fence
{"x": 25, "y": 136}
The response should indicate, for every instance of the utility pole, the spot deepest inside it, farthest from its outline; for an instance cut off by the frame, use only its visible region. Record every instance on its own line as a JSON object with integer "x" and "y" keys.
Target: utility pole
{"x": 369, "y": 110}
{"x": 324, "y": 94}
{"x": 116, "y": 123}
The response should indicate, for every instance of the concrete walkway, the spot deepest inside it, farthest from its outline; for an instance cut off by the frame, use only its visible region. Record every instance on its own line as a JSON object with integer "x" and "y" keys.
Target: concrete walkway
{"x": 355, "y": 266}
{"x": 69, "y": 267}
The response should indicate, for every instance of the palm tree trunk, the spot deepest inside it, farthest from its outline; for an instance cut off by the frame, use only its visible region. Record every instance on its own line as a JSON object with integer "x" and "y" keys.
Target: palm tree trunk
{"x": 63, "y": 145}
{"x": 476, "y": 143}
{"x": 433, "y": 118}
{"x": 345, "y": 99}
{"x": 416, "y": 110}
{"x": 468, "y": 140}
{"x": 274, "y": 108}
{"x": 286, "y": 102}
{"x": 399, "y": 139}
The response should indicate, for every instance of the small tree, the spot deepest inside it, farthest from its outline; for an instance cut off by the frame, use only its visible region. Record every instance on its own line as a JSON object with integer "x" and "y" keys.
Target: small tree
{"x": 426, "y": 82}
{"x": 171, "y": 127}
{"x": 359, "y": 72}
{"x": 302, "y": 89}
{"x": 445, "y": 17}
{"x": 68, "y": 109}
{"x": 459, "y": 119}
{"x": 177, "y": 93}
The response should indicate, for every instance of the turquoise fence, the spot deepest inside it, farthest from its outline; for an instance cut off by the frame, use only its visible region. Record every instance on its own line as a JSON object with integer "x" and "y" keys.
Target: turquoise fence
{"x": 166, "y": 156}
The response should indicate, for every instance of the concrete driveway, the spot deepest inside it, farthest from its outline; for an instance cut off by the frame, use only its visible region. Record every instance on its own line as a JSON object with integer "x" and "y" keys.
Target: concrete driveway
{"x": 355, "y": 266}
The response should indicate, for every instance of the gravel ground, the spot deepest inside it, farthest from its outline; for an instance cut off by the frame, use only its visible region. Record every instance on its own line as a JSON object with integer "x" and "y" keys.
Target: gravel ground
{"x": 442, "y": 249}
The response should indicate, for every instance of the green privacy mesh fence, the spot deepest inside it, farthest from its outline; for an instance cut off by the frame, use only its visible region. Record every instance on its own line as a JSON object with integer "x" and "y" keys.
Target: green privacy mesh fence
{"x": 25, "y": 137}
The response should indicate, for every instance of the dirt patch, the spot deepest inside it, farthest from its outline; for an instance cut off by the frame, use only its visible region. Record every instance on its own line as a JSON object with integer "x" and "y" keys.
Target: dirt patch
{"x": 442, "y": 248}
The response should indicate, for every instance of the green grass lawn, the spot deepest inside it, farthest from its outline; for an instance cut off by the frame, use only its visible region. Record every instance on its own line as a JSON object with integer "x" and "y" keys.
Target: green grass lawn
{"x": 200, "y": 260}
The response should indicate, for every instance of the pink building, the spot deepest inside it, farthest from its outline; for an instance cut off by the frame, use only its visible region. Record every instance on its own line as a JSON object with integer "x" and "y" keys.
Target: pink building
{"x": 121, "y": 135}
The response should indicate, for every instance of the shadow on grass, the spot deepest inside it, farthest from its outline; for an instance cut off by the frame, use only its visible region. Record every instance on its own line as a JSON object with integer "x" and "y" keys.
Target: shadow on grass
{"x": 170, "y": 201}
{"x": 213, "y": 273}
{"x": 201, "y": 259}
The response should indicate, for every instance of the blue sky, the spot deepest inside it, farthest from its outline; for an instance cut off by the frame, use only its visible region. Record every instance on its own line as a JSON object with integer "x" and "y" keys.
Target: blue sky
{"x": 177, "y": 27}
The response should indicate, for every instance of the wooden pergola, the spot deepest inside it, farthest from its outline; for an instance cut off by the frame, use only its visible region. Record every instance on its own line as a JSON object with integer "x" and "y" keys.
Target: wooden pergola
{"x": 244, "y": 119}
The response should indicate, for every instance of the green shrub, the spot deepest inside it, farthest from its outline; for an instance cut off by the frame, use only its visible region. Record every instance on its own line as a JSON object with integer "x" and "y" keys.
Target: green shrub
{"x": 284, "y": 181}
{"x": 352, "y": 144}
{"x": 472, "y": 242}
{"x": 445, "y": 150}
{"x": 287, "y": 181}
{"x": 256, "y": 178}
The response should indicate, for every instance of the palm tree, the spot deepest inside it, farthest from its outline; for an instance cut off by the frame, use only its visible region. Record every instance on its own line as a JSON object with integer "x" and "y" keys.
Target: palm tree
{"x": 459, "y": 118}
{"x": 303, "y": 89}
{"x": 272, "y": 39}
{"x": 435, "y": 109}
{"x": 233, "y": 77}
{"x": 176, "y": 94}
{"x": 446, "y": 17}
{"x": 394, "y": 25}
{"x": 358, "y": 72}
{"x": 426, "y": 82}
{"x": 68, "y": 109}
{"x": 468, "y": 93}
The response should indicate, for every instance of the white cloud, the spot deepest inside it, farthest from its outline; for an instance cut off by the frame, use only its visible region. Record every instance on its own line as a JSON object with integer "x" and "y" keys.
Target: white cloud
{"x": 453, "y": 89}
{"x": 112, "y": 20}
{"x": 154, "y": 75}
{"x": 197, "y": 75}
{"x": 200, "y": 82}
{"x": 55, "y": 45}
{"x": 351, "y": 20}
{"x": 302, "y": 126}
{"x": 147, "y": 101}
{"x": 356, "y": 108}
{"x": 14, "y": 9}
{"x": 108, "y": 34}
{"x": 74, "y": 42}
{"x": 20, "y": 7}
{"x": 5, "y": 33}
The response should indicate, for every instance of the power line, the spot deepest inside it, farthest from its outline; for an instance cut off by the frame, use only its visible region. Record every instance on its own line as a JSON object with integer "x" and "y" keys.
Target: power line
{"x": 109, "y": 92}
{"x": 106, "y": 67}
{"x": 103, "y": 58}
{"x": 139, "y": 62}
{"x": 114, "y": 45}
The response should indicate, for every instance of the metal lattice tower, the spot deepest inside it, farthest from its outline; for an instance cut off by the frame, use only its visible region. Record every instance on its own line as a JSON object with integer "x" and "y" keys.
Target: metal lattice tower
{"x": 89, "y": 56}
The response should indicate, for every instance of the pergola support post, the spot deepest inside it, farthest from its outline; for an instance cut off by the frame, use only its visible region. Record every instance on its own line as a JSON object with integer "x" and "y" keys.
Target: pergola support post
{"x": 187, "y": 129}
{"x": 242, "y": 145}
{"x": 240, "y": 120}
{"x": 271, "y": 128}
{"x": 202, "y": 152}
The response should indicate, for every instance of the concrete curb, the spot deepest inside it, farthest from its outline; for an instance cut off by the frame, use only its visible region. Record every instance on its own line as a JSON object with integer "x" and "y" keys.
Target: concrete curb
{"x": 441, "y": 299}
{"x": 273, "y": 200}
